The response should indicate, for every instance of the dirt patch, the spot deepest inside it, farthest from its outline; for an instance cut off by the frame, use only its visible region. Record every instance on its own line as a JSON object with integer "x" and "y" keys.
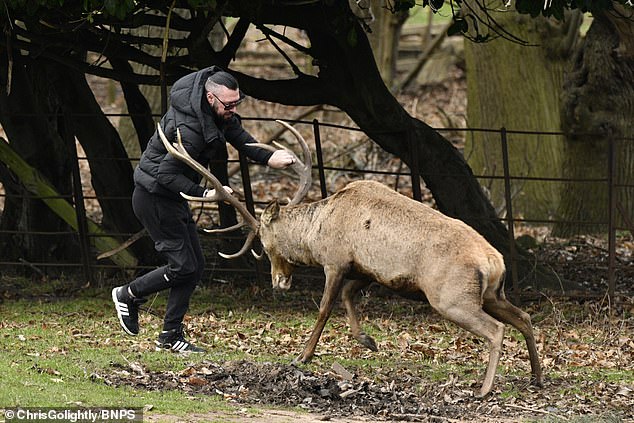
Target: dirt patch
{"x": 244, "y": 415}
{"x": 343, "y": 395}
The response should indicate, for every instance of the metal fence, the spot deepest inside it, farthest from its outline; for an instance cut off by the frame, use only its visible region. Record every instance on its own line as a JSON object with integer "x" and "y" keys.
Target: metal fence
{"x": 88, "y": 265}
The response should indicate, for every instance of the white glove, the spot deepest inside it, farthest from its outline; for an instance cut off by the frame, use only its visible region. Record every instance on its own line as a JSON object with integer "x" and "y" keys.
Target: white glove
{"x": 211, "y": 193}
{"x": 281, "y": 159}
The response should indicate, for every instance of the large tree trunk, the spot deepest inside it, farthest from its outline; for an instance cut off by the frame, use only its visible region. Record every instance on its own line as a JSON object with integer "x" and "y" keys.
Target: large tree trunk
{"x": 349, "y": 79}
{"x": 30, "y": 118}
{"x": 36, "y": 184}
{"x": 518, "y": 87}
{"x": 598, "y": 107}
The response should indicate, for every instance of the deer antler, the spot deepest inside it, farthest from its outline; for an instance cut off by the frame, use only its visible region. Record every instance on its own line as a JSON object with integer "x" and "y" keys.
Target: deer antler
{"x": 302, "y": 169}
{"x": 181, "y": 153}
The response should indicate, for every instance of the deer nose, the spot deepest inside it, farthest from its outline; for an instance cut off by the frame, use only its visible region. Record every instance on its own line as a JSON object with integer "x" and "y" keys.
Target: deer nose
{"x": 282, "y": 282}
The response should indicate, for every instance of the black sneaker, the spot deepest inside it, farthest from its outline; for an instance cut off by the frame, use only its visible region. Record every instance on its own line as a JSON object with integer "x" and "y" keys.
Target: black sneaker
{"x": 127, "y": 310}
{"x": 175, "y": 341}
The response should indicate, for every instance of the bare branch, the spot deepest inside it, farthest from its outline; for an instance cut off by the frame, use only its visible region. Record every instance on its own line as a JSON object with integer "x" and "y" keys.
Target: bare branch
{"x": 295, "y": 45}
{"x": 292, "y": 64}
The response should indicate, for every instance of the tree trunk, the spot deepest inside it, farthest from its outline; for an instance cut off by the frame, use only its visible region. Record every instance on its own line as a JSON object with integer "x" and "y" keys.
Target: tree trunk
{"x": 386, "y": 28}
{"x": 35, "y": 138}
{"x": 35, "y": 183}
{"x": 518, "y": 87}
{"x": 597, "y": 108}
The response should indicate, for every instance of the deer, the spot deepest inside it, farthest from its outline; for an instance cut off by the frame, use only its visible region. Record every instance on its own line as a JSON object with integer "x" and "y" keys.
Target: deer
{"x": 367, "y": 232}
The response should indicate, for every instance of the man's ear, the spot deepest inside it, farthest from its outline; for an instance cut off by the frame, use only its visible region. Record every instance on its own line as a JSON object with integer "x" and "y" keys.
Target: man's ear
{"x": 270, "y": 213}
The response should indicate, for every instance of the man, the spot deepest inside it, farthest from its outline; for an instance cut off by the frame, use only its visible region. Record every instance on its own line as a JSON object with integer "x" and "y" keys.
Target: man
{"x": 203, "y": 107}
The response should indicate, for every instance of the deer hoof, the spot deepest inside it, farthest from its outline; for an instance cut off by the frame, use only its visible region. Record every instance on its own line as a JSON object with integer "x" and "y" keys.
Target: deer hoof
{"x": 368, "y": 342}
{"x": 483, "y": 393}
{"x": 300, "y": 360}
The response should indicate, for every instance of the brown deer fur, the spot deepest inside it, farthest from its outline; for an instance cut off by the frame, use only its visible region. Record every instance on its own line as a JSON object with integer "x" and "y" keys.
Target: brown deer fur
{"x": 368, "y": 232}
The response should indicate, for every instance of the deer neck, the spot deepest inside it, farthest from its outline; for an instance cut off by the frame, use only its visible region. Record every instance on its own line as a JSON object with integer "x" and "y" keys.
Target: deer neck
{"x": 296, "y": 228}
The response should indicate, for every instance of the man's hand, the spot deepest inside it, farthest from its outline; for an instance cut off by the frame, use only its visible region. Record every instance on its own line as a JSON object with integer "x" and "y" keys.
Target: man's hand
{"x": 211, "y": 193}
{"x": 281, "y": 159}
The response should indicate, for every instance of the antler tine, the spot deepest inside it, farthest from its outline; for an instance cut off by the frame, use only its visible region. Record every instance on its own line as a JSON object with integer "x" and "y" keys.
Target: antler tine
{"x": 302, "y": 168}
{"x": 244, "y": 249}
{"x": 181, "y": 153}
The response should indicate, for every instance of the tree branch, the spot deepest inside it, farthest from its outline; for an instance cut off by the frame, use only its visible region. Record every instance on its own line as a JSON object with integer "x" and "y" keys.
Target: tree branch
{"x": 290, "y": 62}
{"x": 303, "y": 91}
{"x": 138, "y": 106}
{"x": 234, "y": 40}
{"x": 86, "y": 68}
{"x": 295, "y": 45}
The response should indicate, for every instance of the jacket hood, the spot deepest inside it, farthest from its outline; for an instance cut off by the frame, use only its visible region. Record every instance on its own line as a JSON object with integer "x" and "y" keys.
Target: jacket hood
{"x": 187, "y": 96}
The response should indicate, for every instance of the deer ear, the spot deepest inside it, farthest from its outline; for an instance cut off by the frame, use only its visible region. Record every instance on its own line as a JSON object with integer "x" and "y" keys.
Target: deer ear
{"x": 270, "y": 213}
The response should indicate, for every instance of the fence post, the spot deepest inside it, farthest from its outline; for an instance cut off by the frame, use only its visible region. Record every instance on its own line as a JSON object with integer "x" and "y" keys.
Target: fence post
{"x": 509, "y": 214}
{"x": 611, "y": 219}
{"x": 415, "y": 171}
{"x": 78, "y": 198}
{"x": 248, "y": 199}
{"x": 320, "y": 159}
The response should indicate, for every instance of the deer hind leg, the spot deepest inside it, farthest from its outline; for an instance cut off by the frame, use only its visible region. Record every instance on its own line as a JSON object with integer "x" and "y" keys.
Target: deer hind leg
{"x": 332, "y": 288}
{"x": 348, "y": 295}
{"x": 472, "y": 318}
{"x": 500, "y": 308}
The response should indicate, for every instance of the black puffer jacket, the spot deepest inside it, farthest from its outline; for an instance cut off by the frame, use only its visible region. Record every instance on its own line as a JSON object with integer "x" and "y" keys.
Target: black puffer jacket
{"x": 203, "y": 137}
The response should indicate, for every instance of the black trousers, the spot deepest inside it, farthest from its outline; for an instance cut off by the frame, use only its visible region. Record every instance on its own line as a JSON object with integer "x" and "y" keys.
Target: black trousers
{"x": 172, "y": 228}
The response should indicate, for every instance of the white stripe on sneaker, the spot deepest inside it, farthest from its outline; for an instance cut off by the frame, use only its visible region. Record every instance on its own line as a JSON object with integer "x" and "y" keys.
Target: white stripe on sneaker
{"x": 122, "y": 310}
{"x": 180, "y": 346}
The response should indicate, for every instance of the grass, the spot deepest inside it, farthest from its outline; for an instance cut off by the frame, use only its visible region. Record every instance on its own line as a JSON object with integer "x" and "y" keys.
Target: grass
{"x": 53, "y": 349}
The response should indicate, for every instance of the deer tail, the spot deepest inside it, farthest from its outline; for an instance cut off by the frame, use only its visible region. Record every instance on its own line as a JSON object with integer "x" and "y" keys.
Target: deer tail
{"x": 492, "y": 276}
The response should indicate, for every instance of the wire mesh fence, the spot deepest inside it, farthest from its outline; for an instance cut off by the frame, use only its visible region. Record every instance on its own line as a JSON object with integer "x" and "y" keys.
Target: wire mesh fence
{"x": 502, "y": 175}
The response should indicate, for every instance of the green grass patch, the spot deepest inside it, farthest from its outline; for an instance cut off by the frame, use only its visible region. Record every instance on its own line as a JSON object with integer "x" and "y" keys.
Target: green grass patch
{"x": 52, "y": 351}
{"x": 57, "y": 350}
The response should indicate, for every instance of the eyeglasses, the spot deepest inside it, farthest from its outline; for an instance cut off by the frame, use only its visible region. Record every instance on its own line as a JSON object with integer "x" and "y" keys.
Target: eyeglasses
{"x": 229, "y": 106}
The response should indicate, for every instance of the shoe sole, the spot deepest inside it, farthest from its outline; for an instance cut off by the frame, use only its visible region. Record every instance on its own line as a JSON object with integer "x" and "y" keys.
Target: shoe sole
{"x": 115, "y": 300}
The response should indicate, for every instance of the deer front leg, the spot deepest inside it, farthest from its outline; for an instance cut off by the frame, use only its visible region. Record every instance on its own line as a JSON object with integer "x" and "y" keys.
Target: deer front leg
{"x": 348, "y": 295}
{"x": 334, "y": 279}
